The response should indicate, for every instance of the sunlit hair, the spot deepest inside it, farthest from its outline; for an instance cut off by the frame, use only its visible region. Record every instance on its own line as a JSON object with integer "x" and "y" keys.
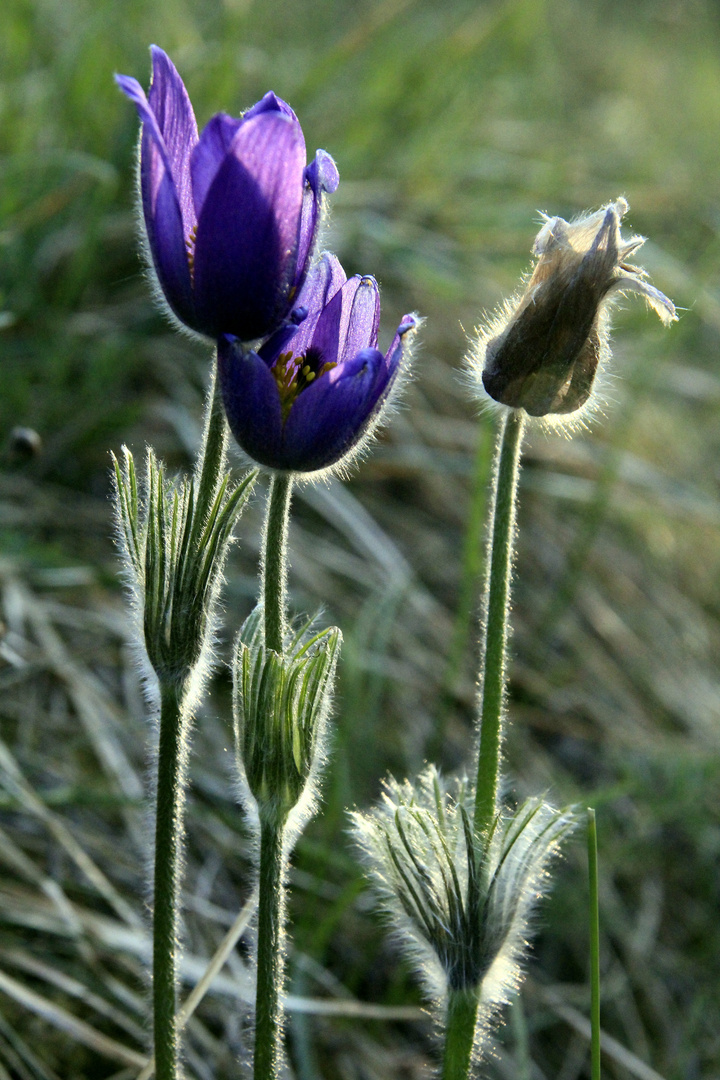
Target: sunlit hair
{"x": 545, "y": 348}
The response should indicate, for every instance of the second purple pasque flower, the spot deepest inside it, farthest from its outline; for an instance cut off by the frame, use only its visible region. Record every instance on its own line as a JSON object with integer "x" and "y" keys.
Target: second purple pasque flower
{"x": 312, "y": 393}
{"x": 231, "y": 215}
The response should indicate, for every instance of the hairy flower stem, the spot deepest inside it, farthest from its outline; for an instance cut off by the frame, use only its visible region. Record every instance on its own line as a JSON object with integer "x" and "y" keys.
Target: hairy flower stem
{"x": 502, "y": 519}
{"x": 462, "y": 1007}
{"x": 271, "y": 917}
{"x": 210, "y": 466}
{"x": 274, "y": 569}
{"x": 271, "y": 899}
{"x": 174, "y": 719}
{"x": 168, "y": 843}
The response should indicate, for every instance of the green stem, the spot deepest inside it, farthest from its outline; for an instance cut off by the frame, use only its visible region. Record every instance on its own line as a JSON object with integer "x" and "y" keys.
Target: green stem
{"x": 594, "y": 948}
{"x": 168, "y": 841}
{"x": 274, "y": 569}
{"x": 462, "y": 1010}
{"x": 502, "y": 518}
{"x": 271, "y": 917}
{"x": 271, "y": 900}
{"x": 211, "y": 463}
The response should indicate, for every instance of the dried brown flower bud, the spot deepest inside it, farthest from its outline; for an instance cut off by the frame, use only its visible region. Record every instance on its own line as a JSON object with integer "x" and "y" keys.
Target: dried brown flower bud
{"x": 543, "y": 352}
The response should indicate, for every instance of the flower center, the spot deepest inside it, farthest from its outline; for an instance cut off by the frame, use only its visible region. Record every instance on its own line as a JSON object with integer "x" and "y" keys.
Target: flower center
{"x": 293, "y": 374}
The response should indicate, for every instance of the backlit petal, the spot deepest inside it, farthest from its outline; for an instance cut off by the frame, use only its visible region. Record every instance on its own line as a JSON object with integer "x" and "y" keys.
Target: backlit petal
{"x": 173, "y": 111}
{"x": 247, "y": 230}
{"x": 252, "y": 402}
{"x": 161, "y": 206}
{"x": 331, "y": 416}
{"x": 361, "y": 317}
{"x": 209, "y": 154}
{"x": 324, "y": 280}
{"x": 321, "y": 176}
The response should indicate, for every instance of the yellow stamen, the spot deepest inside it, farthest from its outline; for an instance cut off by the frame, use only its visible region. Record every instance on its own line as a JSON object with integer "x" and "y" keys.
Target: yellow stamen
{"x": 292, "y": 377}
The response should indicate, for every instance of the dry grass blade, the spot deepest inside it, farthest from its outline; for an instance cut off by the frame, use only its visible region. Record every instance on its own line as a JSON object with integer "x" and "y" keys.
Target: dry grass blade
{"x": 353, "y": 1010}
{"x": 65, "y": 1021}
{"x": 97, "y": 712}
{"x": 20, "y": 1057}
{"x": 73, "y": 988}
{"x": 16, "y": 859}
{"x": 18, "y": 786}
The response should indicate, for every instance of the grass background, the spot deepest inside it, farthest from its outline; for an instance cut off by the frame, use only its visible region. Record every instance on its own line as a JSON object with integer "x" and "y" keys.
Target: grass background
{"x": 452, "y": 126}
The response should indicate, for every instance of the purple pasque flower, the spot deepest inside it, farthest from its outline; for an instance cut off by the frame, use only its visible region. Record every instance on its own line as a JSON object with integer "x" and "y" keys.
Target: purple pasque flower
{"x": 309, "y": 396}
{"x": 232, "y": 215}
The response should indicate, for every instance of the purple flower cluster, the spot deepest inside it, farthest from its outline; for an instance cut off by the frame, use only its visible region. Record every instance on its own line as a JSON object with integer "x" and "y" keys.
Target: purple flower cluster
{"x": 232, "y": 217}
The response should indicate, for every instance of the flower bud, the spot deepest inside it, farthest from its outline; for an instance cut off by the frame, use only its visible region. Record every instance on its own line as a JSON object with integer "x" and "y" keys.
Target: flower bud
{"x": 461, "y": 901}
{"x": 281, "y": 702}
{"x": 175, "y": 550}
{"x": 542, "y": 353}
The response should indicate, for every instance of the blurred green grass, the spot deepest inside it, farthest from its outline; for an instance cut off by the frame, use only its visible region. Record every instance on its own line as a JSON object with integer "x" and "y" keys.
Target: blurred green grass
{"x": 452, "y": 127}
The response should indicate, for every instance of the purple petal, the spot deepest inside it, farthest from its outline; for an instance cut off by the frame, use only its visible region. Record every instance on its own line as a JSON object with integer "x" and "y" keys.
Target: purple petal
{"x": 270, "y": 103}
{"x": 161, "y": 207}
{"x": 209, "y": 155}
{"x": 326, "y": 335}
{"x": 322, "y": 173}
{"x": 165, "y": 232}
{"x": 392, "y": 362}
{"x": 252, "y": 402}
{"x": 394, "y": 355}
{"x": 278, "y": 342}
{"x": 361, "y": 317}
{"x": 325, "y": 279}
{"x": 247, "y": 231}
{"x": 330, "y": 417}
{"x": 321, "y": 176}
{"x": 348, "y": 323}
{"x": 173, "y": 111}
{"x": 322, "y": 282}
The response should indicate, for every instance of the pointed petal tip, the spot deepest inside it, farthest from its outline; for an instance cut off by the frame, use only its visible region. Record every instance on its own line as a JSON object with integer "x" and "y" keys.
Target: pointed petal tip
{"x": 160, "y": 60}
{"x": 164, "y": 71}
{"x": 270, "y": 102}
{"x": 130, "y": 87}
{"x": 661, "y": 304}
{"x": 553, "y": 234}
{"x": 665, "y": 309}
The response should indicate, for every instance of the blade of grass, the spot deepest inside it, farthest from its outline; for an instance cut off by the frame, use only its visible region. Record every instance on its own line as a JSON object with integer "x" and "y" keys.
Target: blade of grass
{"x": 64, "y": 1021}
